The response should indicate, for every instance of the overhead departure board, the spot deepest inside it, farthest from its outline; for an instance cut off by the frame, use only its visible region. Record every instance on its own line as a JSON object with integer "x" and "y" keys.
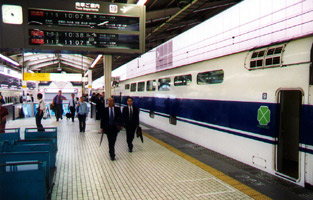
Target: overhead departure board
{"x": 83, "y": 39}
{"x": 75, "y": 26}
{"x": 79, "y": 19}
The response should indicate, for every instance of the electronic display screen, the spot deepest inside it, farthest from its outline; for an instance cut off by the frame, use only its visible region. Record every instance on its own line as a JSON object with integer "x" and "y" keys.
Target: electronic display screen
{"x": 83, "y": 39}
{"x": 82, "y": 20}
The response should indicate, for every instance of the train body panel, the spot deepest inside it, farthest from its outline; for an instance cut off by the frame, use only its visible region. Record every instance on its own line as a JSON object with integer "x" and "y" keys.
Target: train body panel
{"x": 259, "y": 114}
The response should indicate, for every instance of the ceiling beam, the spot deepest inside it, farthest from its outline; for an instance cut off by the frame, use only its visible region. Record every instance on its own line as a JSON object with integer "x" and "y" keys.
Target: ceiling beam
{"x": 159, "y": 14}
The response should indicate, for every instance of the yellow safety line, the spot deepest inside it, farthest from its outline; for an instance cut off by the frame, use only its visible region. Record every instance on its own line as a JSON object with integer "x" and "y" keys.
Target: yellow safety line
{"x": 227, "y": 179}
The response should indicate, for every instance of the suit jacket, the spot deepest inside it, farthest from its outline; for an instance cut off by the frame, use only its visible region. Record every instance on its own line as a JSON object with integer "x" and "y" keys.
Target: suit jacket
{"x": 130, "y": 123}
{"x": 105, "y": 120}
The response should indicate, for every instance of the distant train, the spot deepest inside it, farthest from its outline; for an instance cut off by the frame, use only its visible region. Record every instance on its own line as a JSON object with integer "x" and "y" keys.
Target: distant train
{"x": 254, "y": 106}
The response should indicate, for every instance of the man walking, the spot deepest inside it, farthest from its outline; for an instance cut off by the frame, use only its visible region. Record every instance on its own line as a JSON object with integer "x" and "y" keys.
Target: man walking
{"x": 41, "y": 109}
{"x": 110, "y": 125}
{"x": 72, "y": 105}
{"x": 131, "y": 122}
{"x": 82, "y": 114}
{"x": 57, "y": 104}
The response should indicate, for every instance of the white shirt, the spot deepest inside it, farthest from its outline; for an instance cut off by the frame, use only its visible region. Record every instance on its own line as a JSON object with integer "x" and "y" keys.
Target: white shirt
{"x": 28, "y": 99}
{"x": 71, "y": 102}
{"x": 42, "y": 105}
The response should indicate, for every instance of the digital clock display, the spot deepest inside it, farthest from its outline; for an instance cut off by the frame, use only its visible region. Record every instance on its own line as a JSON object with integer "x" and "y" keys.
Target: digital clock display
{"x": 83, "y": 20}
{"x": 83, "y": 39}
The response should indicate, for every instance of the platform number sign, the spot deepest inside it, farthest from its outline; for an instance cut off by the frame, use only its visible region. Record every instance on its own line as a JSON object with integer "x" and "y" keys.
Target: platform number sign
{"x": 264, "y": 115}
{"x": 113, "y": 8}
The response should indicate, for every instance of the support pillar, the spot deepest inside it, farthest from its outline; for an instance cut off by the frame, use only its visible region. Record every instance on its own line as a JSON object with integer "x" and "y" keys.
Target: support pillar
{"x": 89, "y": 83}
{"x": 107, "y": 65}
{"x": 24, "y": 83}
{"x": 83, "y": 89}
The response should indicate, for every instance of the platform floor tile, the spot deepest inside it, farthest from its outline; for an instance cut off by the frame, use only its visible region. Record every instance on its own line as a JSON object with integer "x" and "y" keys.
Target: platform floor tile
{"x": 151, "y": 171}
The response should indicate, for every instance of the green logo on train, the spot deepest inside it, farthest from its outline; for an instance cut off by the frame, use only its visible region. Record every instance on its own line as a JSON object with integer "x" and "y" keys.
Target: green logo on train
{"x": 264, "y": 115}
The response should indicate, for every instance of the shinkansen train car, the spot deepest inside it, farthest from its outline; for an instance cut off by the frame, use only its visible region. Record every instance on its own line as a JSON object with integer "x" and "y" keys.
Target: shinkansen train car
{"x": 254, "y": 106}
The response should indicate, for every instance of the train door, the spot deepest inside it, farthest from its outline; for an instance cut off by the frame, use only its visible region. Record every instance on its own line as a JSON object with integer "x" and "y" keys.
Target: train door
{"x": 287, "y": 162}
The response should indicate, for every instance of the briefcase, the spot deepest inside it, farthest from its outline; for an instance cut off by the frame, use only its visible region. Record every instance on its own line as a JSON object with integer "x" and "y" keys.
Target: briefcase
{"x": 139, "y": 133}
{"x": 51, "y": 107}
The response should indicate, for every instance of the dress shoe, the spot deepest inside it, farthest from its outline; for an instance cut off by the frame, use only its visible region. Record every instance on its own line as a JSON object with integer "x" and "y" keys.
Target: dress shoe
{"x": 130, "y": 150}
{"x": 112, "y": 158}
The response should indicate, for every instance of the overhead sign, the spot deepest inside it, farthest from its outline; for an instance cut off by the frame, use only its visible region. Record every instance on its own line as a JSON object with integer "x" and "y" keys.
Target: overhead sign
{"x": 51, "y": 77}
{"x": 71, "y": 26}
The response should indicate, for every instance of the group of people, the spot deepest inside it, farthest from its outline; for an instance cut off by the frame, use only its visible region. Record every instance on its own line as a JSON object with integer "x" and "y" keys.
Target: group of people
{"x": 74, "y": 105}
{"x": 113, "y": 120}
{"x": 98, "y": 99}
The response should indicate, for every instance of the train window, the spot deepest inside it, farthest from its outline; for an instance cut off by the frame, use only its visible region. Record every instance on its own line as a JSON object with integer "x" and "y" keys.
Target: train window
{"x": 272, "y": 58}
{"x": 182, "y": 80}
{"x": 261, "y": 54}
{"x": 273, "y": 61}
{"x": 211, "y": 77}
{"x": 141, "y": 86}
{"x": 151, "y": 85}
{"x": 172, "y": 120}
{"x": 133, "y": 87}
{"x": 270, "y": 52}
{"x": 257, "y": 54}
{"x": 164, "y": 84}
{"x": 115, "y": 84}
{"x": 278, "y": 50}
{"x": 126, "y": 86}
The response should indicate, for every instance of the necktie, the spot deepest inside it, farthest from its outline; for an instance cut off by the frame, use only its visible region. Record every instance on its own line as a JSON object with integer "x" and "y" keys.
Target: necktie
{"x": 58, "y": 99}
{"x": 73, "y": 103}
{"x": 111, "y": 117}
{"x": 130, "y": 113}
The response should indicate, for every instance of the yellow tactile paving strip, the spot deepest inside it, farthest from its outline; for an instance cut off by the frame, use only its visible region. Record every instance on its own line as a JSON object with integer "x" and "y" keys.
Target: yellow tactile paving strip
{"x": 154, "y": 170}
{"x": 223, "y": 177}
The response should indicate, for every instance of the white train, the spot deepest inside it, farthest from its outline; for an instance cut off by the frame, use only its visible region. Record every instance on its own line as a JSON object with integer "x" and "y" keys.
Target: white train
{"x": 254, "y": 106}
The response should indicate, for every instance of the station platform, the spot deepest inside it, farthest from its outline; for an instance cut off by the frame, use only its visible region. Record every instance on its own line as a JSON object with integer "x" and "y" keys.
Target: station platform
{"x": 162, "y": 167}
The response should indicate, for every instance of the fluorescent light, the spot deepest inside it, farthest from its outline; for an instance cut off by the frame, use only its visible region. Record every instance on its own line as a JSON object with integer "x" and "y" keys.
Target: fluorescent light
{"x": 9, "y": 60}
{"x": 30, "y": 71}
{"x": 141, "y": 2}
{"x": 86, "y": 73}
{"x": 96, "y": 61}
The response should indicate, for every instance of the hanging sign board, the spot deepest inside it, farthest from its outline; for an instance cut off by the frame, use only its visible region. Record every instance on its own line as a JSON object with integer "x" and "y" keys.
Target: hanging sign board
{"x": 51, "y": 77}
{"x": 78, "y": 26}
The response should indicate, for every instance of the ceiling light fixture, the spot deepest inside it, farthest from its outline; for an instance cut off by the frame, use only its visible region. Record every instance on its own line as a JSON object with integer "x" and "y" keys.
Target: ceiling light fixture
{"x": 96, "y": 61}
{"x": 9, "y": 60}
{"x": 141, "y": 2}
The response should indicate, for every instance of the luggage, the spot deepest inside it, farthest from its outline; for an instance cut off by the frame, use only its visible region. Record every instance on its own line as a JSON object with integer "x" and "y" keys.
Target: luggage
{"x": 68, "y": 115}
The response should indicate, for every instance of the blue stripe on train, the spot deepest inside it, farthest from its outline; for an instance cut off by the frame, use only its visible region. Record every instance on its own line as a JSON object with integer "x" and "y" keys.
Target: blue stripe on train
{"x": 229, "y": 114}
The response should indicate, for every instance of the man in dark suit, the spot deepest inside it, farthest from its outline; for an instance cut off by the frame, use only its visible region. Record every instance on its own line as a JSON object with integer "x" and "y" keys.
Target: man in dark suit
{"x": 131, "y": 122}
{"x": 111, "y": 125}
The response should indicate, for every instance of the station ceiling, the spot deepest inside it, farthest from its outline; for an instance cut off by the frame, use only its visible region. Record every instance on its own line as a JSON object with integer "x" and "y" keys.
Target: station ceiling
{"x": 165, "y": 19}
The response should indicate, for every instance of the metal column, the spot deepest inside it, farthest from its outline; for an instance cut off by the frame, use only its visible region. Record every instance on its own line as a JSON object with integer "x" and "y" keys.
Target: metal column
{"x": 107, "y": 65}
{"x": 89, "y": 82}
